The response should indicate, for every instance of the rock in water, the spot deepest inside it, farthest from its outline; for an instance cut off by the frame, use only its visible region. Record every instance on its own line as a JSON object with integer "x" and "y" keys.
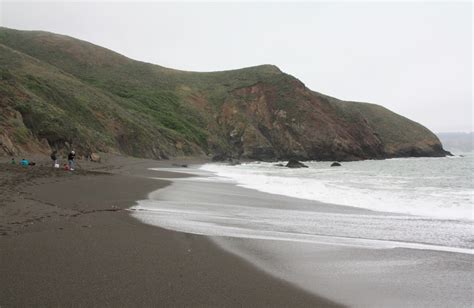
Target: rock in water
{"x": 335, "y": 164}
{"x": 293, "y": 163}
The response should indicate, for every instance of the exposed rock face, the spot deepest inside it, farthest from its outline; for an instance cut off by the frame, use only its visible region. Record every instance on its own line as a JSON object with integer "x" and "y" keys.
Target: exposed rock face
{"x": 276, "y": 122}
{"x": 7, "y": 145}
{"x": 15, "y": 138}
{"x": 59, "y": 92}
{"x": 95, "y": 157}
{"x": 293, "y": 163}
{"x": 274, "y": 127}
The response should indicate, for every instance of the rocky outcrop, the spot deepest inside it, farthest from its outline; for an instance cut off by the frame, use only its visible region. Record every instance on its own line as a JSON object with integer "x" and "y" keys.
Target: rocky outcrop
{"x": 15, "y": 137}
{"x": 95, "y": 157}
{"x": 276, "y": 122}
{"x": 335, "y": 164}
{"x": 7, "y": 146}
{"x": 293, "y": 163}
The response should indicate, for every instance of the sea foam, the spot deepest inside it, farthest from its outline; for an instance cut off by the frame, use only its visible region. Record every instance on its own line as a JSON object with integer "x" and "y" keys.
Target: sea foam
{"x": 432, "y": 187}
{"x": 215, "y": 206}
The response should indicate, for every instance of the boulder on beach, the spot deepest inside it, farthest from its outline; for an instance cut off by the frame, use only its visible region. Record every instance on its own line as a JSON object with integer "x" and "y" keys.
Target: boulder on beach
{"x": 335, "y": 164}
{"x": 95, "y": 157}
{"x": 293, "y": 163}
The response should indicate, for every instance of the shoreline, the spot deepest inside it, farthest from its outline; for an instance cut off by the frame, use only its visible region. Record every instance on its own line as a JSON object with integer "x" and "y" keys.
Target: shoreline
{"x": 67, "y": 239}
{"x": 347, "y": 275}
{"x": 420, "y": 190}
{"x": 326, "y": 210}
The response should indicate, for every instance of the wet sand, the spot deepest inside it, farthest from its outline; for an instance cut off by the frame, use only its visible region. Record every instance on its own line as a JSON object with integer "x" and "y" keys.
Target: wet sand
{"x": 68, "y": 240}
{"x": 347, "y": 267}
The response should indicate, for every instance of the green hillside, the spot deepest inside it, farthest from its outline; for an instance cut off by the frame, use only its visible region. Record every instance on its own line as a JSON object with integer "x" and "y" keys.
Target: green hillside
{"x": 60, "y": 92}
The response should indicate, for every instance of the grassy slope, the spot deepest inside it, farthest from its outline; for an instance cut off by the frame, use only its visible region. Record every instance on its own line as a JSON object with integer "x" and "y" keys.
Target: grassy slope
{"x": 397, "y": 133}
{"x": 70, "y": 90}
{"x": 61, "y": 108}
{"x": 83, "y": 74}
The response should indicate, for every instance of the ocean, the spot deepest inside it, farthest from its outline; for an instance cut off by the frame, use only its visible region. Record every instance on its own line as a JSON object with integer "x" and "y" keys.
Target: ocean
{"x": 377, "y": 233}
{"x": 419, "y": 203}
{"x": 432, "y": 187}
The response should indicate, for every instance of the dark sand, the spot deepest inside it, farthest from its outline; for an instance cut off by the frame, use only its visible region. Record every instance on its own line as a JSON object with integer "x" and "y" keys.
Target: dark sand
{"x": 66, "y": 240}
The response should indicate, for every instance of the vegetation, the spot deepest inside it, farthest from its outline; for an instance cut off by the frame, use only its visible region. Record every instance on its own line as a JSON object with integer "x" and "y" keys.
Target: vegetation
{"x": 73, "y": 93}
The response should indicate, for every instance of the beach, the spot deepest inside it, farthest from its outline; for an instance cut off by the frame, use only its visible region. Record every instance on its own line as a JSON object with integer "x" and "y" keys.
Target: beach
{"x": 236, "y": 154}
{"x": 68, "y": 240}
{"x": 353, "y": 256}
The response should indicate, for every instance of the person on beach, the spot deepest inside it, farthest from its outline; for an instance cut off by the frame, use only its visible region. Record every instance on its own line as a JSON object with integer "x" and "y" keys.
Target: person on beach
{"x": 71, "y": 160}
{"x": 54, "y": 158}
{"x": 25, "y": 162}
{"x": 13, "y": 162}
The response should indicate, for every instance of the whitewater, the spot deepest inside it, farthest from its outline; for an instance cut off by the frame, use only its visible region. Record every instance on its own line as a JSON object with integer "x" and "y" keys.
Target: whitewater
{"x": 417, "y": 203}
{"x": 431, "y": 187}
{"x": 367, "y": 234}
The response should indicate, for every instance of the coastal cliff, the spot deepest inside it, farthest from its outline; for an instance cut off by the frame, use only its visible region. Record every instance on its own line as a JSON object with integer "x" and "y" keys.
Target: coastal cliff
{"x": 60, "y": 92}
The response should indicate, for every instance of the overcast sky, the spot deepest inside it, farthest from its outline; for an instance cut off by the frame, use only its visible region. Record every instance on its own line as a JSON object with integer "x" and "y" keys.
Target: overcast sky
{"x": 413, "y": 58}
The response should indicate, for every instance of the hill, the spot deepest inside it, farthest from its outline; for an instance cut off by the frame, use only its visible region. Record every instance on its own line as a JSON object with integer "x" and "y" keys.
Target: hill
{"x": 60, "y": 92}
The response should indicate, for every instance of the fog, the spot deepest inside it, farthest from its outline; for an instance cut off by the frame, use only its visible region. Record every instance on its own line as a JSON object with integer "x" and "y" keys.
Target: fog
{"x": 414, "y": 58}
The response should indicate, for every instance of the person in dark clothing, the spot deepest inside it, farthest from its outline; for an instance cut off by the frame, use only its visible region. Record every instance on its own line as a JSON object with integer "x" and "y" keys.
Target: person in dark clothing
{"x": 54, "y": 158}
{"x": 71, "y": 159}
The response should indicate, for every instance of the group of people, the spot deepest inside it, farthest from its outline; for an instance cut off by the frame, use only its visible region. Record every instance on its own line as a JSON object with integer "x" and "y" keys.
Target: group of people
{"x": 71, "y": 160}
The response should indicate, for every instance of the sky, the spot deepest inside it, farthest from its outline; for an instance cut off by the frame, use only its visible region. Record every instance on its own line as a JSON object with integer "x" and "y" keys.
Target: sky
{"x": 414, "y": 58}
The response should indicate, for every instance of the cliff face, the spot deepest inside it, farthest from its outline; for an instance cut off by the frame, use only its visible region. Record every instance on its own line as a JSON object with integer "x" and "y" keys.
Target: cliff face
{"x": 56, "y": 91}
